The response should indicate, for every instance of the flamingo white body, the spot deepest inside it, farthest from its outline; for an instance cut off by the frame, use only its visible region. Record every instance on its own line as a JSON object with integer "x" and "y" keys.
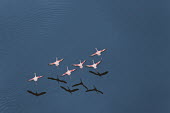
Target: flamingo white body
{"x": 57, "y": 62}
{"x": 98, "y": 52}
{"x": 80, "y": 64}
{"x": 68, "y": 72}
{"x": 35, "y": 78}
{"x": 94, "y": 65}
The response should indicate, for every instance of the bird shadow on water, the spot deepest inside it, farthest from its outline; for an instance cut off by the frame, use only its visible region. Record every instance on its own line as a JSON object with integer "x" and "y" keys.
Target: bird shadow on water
{"x": 35, "y": 93}
{"x": 98, "y": 73}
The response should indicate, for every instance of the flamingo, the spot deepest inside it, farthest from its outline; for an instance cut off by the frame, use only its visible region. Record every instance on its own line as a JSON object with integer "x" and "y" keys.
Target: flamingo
{"x": 80, "y": 65}
{"x": 98, "y": 52}
{"x": 35, "y": 79}
{"x": 57, "y": 62}
{"x": 94, "y": 65}
{"x": 68, "y": 72}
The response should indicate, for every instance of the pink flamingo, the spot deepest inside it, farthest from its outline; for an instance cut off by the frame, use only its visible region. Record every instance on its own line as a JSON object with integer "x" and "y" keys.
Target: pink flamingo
{"x": 35, "y": 78}
{"x": 98, "y": 52}
{"x": 94, "y": 65}
{"x": 68, "y": 72}
{"x": 57, "y": 62}
{"x": 80, "y": 65}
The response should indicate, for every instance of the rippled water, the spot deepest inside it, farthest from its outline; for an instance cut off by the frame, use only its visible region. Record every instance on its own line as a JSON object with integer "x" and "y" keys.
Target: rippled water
{"x": 34, "y": 32}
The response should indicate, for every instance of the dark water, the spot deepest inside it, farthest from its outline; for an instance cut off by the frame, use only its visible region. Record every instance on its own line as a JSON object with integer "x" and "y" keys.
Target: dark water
{"x": 34, "y": 32}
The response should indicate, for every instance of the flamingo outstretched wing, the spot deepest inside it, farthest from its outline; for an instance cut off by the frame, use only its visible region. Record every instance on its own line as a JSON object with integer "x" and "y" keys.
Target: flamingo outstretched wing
{"x": 89, "y": 65}
{"x": 103, "y": 50}
{"x": 75, "y": 65}
{"x": 61, "y": 60}
{"x": 31, "y": 79}
{"x": 93, "y": 54}
{"x": 64, "y": 74}
{"x": 40, "y": 76}
{"x": 72, "y": 70}
{"x": 50, "y": 64}
{"x": 98, "y": 62}
{"x": 83, "y": 61}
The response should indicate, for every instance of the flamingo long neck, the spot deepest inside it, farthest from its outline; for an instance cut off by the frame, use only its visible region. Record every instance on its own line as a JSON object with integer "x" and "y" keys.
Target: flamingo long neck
{"x": 96, "y": 49}
{"x": 93, "y": 62}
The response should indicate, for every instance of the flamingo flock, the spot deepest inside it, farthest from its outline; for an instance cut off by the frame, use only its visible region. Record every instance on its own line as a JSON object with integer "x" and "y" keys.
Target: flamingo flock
{"x": 69, "y": 71}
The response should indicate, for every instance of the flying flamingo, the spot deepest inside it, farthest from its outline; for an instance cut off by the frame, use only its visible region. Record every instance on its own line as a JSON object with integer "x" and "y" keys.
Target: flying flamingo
{"x": 94, "y": 65}
{"x": 80, "y": 65}
{"x": 98, "y": 52}
{"x": 35, "y": 78}
{"x": 57, "y": 62}
{"x": 68, "y": 72}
